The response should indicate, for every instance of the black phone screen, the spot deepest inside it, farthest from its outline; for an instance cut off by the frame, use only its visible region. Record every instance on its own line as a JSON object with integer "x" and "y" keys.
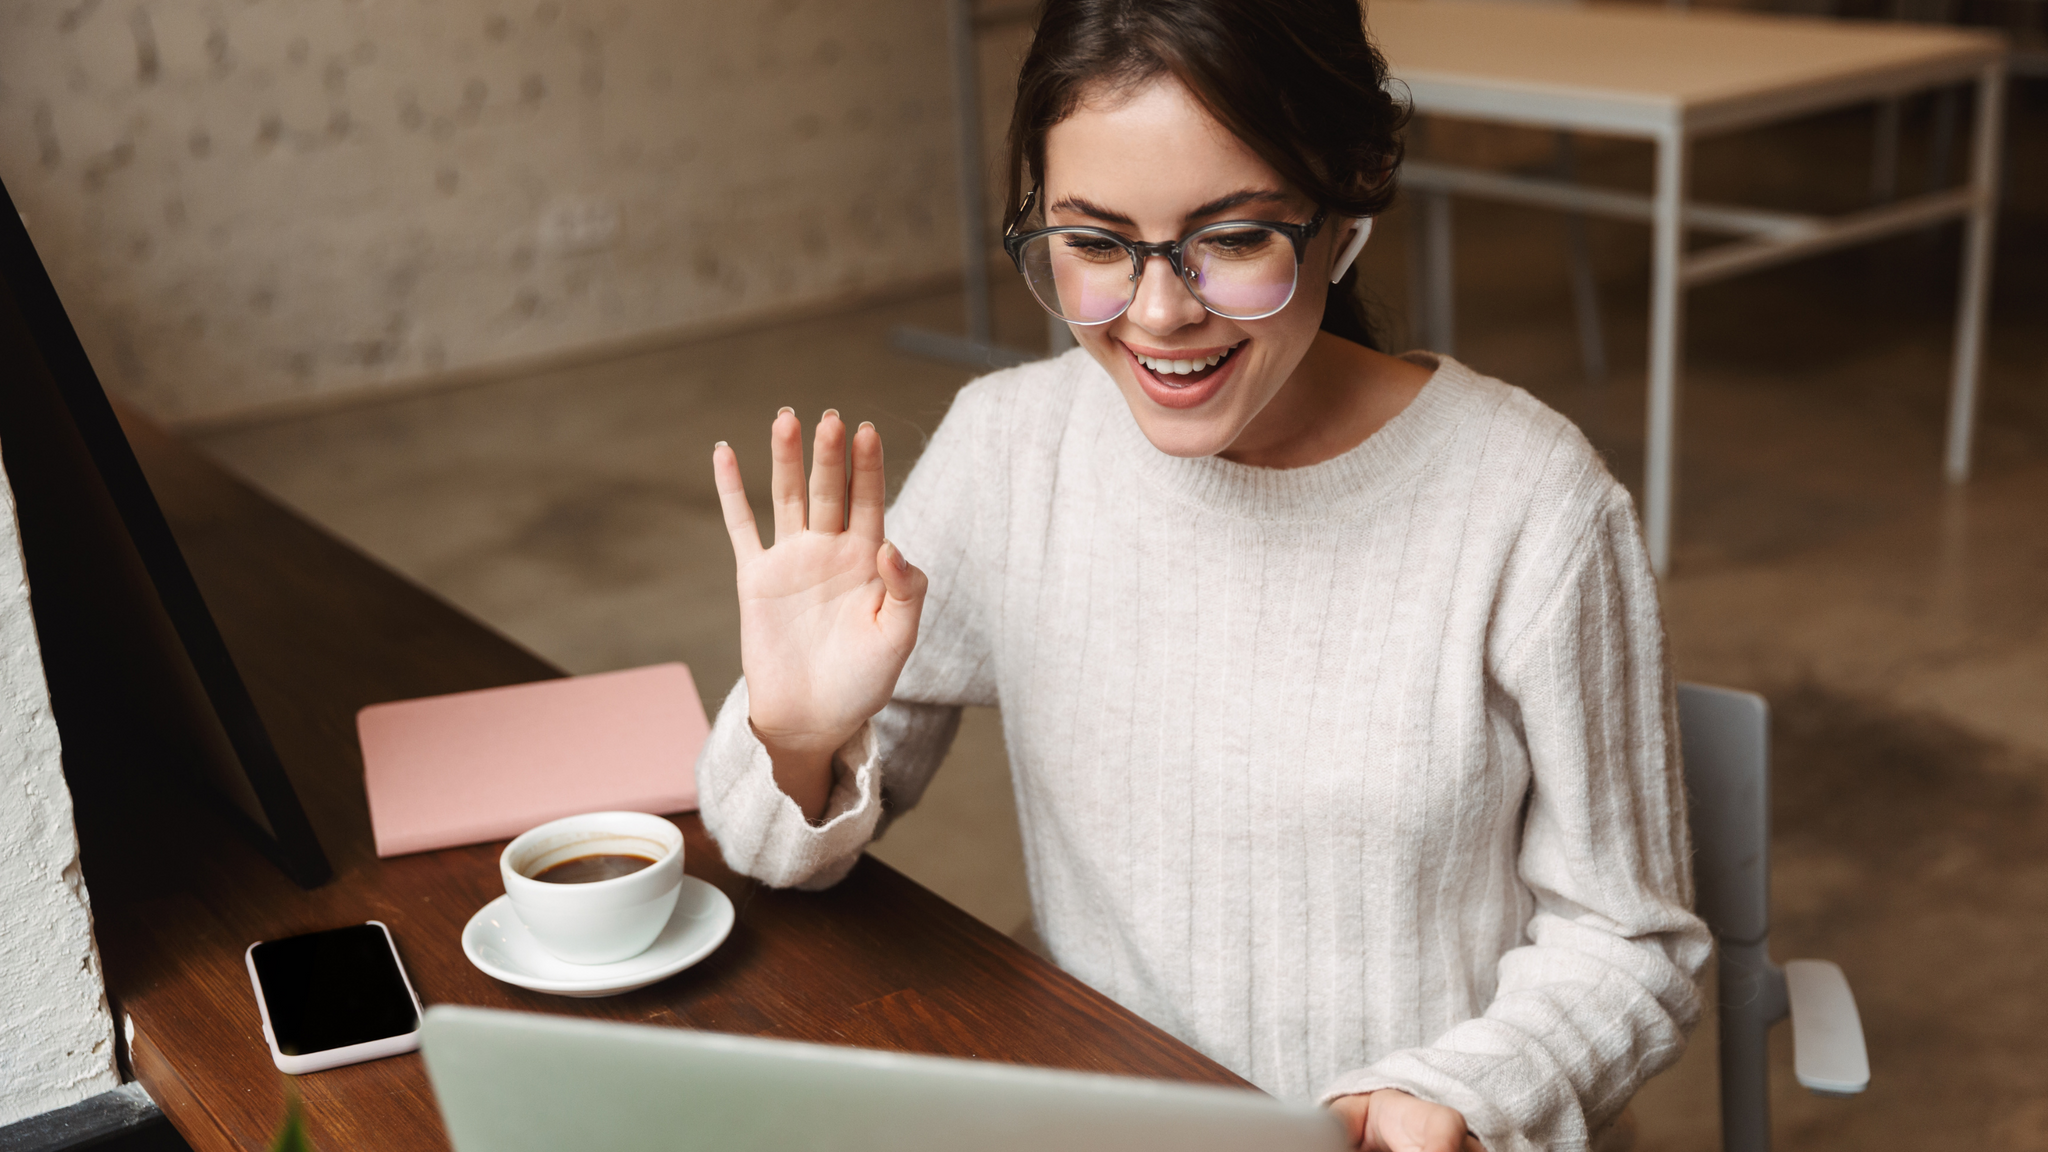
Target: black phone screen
{"x": 332, "y": 989}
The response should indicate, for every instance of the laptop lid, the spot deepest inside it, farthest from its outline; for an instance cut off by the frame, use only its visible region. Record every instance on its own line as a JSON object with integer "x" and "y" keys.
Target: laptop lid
{"x": 518, "y": 1082}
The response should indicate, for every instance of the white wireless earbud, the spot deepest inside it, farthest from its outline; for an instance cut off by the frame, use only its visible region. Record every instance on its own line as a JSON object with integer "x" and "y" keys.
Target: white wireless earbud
{"x": 1352, "y": 249}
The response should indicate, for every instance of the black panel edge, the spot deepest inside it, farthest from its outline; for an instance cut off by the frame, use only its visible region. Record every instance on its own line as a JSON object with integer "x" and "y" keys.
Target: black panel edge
{"x": 294, "y": 848}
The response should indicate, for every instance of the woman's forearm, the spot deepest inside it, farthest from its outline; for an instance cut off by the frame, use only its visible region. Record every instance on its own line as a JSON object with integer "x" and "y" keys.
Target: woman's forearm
{"x": 803, "y": 774}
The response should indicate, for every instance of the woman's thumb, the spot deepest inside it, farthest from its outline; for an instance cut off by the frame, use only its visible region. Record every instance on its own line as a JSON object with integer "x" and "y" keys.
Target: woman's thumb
{"x": 905, "y": 586}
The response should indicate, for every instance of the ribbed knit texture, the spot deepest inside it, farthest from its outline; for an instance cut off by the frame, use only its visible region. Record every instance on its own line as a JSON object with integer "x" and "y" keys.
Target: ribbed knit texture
{"x": 1352, "y": 776}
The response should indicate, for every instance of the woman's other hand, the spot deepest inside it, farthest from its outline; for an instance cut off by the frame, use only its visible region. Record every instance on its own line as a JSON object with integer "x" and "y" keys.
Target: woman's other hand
{"x": 828, "y": 613}
{"x": 1390, "y": 1120}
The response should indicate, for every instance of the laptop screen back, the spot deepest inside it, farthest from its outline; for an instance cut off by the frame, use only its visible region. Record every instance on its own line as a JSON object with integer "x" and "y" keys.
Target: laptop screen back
{"x": 515, "y": 1082}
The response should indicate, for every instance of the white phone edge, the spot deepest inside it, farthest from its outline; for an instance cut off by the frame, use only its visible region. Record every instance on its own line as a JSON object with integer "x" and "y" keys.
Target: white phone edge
{"x": 353, "y": 1053}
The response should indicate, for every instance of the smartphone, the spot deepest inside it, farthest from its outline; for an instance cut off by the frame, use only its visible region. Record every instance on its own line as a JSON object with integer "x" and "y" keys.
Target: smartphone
{"x": 333, "y": 998}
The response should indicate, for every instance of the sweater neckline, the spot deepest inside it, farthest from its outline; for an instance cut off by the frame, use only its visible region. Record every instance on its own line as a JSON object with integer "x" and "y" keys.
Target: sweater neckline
{"x": 1342, "y": 484}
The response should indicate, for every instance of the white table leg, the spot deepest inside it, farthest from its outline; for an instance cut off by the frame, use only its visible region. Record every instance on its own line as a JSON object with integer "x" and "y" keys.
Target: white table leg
{"x": 1667, "y": 346}
{"x": 1439, "y": 307}
{"x": 1976, "y": 286}
{"x": 1585, "y": 283}
{"x": 973, "y": 201}
{"x": 1884, "y": 151}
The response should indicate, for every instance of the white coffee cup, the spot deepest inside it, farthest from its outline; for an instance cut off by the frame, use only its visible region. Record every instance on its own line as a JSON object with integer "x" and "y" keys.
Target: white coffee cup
{"x": 603, "y": 921}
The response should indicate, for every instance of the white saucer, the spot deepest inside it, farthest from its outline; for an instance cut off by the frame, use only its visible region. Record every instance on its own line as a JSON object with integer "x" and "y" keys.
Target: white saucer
{"x": 495, "y": 941}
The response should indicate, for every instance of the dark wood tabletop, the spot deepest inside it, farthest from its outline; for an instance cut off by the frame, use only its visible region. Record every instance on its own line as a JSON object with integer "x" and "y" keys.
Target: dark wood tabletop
{"x": 318, "y": 630}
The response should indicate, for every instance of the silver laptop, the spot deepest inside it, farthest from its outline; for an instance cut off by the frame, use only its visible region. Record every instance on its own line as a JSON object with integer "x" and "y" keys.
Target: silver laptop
{"x": 516, "y": 1082}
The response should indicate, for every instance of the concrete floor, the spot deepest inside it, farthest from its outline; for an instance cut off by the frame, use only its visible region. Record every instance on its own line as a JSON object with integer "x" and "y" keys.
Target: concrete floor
{"x": 1899, "y": 627}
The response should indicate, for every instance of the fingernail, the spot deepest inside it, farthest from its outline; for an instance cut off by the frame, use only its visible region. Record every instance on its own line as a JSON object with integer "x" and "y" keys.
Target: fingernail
{"x": 830, "y": 414}
{"x": 717, "y": 446}
{"x": 786, "y": 412}
{"x": 868, "y": 424}
{"x": 896, "y": 559}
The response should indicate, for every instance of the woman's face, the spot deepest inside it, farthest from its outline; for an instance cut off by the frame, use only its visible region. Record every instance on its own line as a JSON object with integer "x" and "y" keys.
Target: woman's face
{"x": 1151, "y": 164}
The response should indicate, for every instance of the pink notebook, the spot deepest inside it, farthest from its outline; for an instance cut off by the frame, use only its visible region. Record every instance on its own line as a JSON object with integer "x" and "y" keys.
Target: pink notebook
{"x": 488, "y": 765}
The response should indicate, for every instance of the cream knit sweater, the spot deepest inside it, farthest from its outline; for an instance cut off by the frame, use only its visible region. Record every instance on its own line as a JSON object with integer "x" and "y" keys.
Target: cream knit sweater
{"x": 1352, "y": 776}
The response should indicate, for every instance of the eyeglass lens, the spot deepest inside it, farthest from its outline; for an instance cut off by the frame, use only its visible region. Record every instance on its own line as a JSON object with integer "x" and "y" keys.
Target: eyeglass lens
{"x": 1243, "y": 272}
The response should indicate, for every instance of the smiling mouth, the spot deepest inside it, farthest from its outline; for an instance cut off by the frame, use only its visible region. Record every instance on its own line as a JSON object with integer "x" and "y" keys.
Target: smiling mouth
{"x": 1186, "y": 373}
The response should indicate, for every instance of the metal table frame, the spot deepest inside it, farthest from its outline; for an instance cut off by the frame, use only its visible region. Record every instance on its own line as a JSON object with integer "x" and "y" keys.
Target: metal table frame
{"x": 1765, "y": 237}
{"x": 978, "y": 347}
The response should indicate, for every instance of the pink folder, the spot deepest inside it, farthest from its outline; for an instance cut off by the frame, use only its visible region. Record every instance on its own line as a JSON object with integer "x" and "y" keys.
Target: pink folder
{"x": 480, "y": 766}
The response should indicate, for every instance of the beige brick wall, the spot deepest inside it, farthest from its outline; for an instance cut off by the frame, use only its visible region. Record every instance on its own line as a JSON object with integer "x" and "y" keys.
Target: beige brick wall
{"x": 248, "y": 203}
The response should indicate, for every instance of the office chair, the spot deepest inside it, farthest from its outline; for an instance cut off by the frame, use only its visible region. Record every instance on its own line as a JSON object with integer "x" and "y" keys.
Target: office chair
{"x": 1726, "y": 741}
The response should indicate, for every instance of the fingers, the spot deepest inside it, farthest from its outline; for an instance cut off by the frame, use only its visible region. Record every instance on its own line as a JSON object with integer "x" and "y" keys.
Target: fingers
{"x": 828, "y": 474}
{"x": 1394, "y": 1121}
{"x": 1351, "y": 1113}
{"x": 732, "y": 500}
{"x": 870, "y": 487}
{"x": 786, "y": 481}
{"x": 905, "y": 600}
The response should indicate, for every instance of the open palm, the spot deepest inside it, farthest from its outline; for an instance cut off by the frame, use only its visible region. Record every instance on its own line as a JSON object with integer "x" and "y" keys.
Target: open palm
{"x": 829, "y": 611}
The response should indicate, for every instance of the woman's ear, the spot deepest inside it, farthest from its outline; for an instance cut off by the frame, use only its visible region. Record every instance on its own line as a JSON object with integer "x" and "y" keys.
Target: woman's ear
{"x": 1351, "y": 250}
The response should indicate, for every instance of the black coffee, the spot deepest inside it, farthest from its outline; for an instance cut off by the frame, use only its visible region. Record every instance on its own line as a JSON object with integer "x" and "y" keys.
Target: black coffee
{"x": 591, "y": 869}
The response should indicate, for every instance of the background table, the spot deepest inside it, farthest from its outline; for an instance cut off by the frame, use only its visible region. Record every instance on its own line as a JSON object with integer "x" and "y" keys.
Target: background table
{"x": 319, "y": 631}
{"x": 1672, "y": 76}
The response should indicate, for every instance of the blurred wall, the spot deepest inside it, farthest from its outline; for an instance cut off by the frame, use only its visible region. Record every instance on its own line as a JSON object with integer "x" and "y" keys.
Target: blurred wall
{"x": 250, "y": 204}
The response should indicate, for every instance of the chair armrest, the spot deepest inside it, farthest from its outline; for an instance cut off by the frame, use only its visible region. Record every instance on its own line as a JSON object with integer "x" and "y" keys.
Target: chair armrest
{"x": 1827, "y": 1033}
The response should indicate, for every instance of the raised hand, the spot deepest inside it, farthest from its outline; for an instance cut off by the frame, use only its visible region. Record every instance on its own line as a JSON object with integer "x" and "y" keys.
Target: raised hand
{"x": 828, "y": 613}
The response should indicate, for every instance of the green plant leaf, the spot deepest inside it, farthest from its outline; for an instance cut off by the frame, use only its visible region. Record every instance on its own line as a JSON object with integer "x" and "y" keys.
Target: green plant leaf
{"x": 292, "y": 1136}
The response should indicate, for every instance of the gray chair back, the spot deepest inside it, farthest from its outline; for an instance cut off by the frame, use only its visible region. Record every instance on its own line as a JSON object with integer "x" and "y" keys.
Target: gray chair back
{"x": 1725, "y": 736}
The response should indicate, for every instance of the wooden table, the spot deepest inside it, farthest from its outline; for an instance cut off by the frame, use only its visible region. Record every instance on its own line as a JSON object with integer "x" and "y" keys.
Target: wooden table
{"x": 318, "y": 631}
{"x": 1672, "y": 75}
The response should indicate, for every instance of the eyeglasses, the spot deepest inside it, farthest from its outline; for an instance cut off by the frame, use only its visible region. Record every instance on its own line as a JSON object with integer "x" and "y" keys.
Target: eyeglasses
{"x": 1238, "y": 269}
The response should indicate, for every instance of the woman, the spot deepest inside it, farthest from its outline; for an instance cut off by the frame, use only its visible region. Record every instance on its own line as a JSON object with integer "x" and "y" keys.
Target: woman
{"x": 1333, "y": 682}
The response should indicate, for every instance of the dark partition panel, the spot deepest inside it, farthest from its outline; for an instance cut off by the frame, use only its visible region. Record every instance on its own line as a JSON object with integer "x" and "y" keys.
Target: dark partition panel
{"x": 146, "y": 693}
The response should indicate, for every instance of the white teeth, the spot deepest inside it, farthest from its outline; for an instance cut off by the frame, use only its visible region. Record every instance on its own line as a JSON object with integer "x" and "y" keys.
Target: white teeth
{"x": 1164, "y": 366}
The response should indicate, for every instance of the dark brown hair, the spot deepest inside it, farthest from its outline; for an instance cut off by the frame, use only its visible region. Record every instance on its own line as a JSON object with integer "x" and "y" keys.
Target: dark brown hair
{"x": 1296, "y": 80}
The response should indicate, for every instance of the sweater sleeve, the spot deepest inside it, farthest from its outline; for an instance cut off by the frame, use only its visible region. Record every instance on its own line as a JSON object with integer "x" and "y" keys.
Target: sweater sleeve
{"x": 1604, "y": 989}
{"x": 883, "y": 770}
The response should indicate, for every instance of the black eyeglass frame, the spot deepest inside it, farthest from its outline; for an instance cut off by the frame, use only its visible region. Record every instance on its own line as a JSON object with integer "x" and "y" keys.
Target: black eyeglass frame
{"x": 1142, "y": 252}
